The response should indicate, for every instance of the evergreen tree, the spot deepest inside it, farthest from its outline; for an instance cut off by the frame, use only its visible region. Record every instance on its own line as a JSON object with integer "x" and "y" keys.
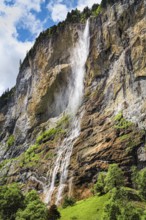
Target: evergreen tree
{"x": 11, "y": 199}
{"x": 54, "y": 214}
{"x": 34, "y": 209}
{"x": 119, "y": 207}
{"x": 142, "y": 183}
{"x": 114, "y": 178}
{"x": 100, "y": 185}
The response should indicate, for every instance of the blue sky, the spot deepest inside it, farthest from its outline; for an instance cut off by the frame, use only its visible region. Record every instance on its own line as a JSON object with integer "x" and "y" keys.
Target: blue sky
{"x": 21, "y": 21}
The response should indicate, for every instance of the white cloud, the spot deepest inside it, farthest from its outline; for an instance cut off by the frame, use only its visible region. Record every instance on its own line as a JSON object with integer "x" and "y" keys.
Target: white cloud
{"x": 11, "y": 49}
{"x": 58, "y": 10}
{"x": 83, "y": 3}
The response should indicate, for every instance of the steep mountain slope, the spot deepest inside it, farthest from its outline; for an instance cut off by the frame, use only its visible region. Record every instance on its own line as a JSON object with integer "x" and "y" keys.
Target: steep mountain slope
{"x": 113, "y": 108}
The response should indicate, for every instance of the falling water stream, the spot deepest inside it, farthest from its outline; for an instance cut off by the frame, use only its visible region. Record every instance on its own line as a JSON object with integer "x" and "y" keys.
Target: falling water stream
{"x": 78, "y": 59}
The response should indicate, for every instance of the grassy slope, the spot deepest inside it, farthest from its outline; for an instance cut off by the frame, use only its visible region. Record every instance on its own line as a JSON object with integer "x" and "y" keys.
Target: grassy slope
{"x": 91, "y": 208}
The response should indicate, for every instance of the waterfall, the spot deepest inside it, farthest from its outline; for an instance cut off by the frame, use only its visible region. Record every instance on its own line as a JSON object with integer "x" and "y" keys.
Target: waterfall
{"x": 78, "y": 59}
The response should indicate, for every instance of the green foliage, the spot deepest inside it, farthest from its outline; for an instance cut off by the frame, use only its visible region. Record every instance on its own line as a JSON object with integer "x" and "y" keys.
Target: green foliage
{"x": 49, "y": 155}
{"x": 11, "y": 199}
{"x": 119, "y": 116}
{"x": 114, "y": 178}
{"x": 30, "y": 157}
{"x": 48, "y": 135}
{"x": 68, "y": 201}
{"x": 119, "y": 207}
{"x": 6, "y": 96}
{"x": 95, "y": 7}
{"x": 134, "y": 177}
{"x": 30, "y": 153}
{"x": 11, "y": 141}
{"x": 14, "y": 206}
{"x": 31, "y": 196}
{"x": 74, "y": 16}
{"x": 121, "y": 122}
{"x": 85, "y": 14}
{"x": 96, "y": 10}
{"x": 141, "y": 181}
{"x": 111, "y": 211}
{"x": 54, "y": 214}
{"x": 4, "y": 162}
{"x": 64, "y": 122}
{"x": 125, "y": 137}
{"x": 34, "y": 210}
{"x": 130, "y": 212}
{"x": 100, "y": 185}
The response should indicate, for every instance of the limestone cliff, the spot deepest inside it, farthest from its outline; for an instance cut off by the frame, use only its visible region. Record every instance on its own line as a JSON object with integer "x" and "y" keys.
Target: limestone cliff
{"x": 114, "y": 105}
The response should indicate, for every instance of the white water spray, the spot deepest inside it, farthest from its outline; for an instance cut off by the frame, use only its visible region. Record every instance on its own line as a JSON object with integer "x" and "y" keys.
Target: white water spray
{"x": 78, "y": 59}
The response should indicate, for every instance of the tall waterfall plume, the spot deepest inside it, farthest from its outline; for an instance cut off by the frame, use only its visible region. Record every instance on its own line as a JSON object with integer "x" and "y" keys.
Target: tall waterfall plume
{"x": 78, "y": 59}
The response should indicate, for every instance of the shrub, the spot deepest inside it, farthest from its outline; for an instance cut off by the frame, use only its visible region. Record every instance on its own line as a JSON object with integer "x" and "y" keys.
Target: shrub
{"x": 114, "y": 178}
{"x": 68, "y": 201}
{"x": 11, "y": 141}
{"x": 73, "y": 16}
{"x": 54, "y": 214}
{"x": 94, "y": 7}
{"x": 121, "y": 122}
{"x": 97, "y": 11}
{"x": 134, "y": 177}
{"x": 142, "y": 183}
{"x": 119, "y": 207}
{"x": 30, "y": 157}
{"x": 100, "y": 185}
{"x": 111, "y": 211}
{"x": 11, "y": 199}
{"x": 139, "y": 180}
{"x": 31, "y": 196}
{"x": 34, "y": 210}
{"x": 15, "y": 206}
{"x": 63, "y": 122}
{"x": 47, "y": 135}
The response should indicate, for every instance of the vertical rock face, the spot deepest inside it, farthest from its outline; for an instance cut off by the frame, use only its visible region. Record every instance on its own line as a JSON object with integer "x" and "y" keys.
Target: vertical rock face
{"x": 114, "y": 106}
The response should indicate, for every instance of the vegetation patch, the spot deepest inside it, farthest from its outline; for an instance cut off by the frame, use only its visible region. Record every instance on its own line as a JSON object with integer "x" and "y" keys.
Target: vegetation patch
{"x": 49, "y": 135}
{"x": 49, "y": 155}
{"x": 114, "y": 201}
{"x": 6, "y": 96}
{"x": 16, "y": 206}
{"x": 121, "y": 122}
{"x": 64, "y": 122}
{"x": 125, "y": 137}
{"x": 4, "y": 162}
{"x": 68, "y": 201}
{"x": 30, "y": 158}
{"x": 11, "y": 141}
{"x": 96, "y": 10}
{"x": 91, "y": 208}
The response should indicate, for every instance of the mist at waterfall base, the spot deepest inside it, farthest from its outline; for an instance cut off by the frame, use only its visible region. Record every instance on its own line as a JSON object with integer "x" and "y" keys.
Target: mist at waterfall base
{"x": 75, "y": 89}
